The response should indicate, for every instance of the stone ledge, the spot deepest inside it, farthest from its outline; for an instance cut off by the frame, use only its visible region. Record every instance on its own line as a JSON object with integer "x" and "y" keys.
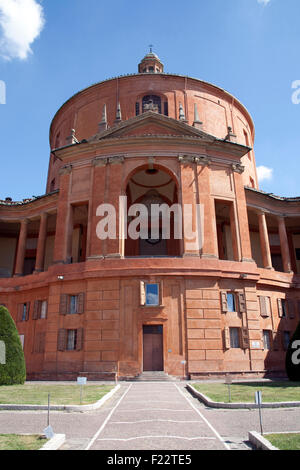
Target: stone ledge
{"x": 75, "y": 408}
{"x": 214, "y": 404}
{"x": 260, "y": 442}
{"x": 55, "y": 443}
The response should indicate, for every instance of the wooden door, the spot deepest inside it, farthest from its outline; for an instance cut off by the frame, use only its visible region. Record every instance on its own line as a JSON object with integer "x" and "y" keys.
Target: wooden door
{"x": 153, "y": 348}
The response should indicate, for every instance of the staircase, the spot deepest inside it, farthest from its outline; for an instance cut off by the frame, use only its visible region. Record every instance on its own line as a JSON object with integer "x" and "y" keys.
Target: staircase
{"x": 154, "y": 376}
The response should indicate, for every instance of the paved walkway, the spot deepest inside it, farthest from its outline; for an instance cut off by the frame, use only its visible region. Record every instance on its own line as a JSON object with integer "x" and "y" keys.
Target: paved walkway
{"x": 155, "y": 416}
{"x": 152, "y": 416}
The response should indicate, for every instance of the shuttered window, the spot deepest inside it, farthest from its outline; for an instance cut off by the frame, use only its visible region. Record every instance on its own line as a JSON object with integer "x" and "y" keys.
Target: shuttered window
{"x": 226, "y": 338}
{"x": 40, "y": 309}
{"x": 291, "y": 308}
{"x": 267, "y": 339}
{"x": 224, "y": 302}
{"x": 70, "y": 339}
{"x": 286, "y": 340}
{"x": 265, "y": 306}
{"x": 233, "y": 302}
{"x": 72, "y": 304}
{"x": 281, "y": 308}
{"x": 23, "y": 312}
{"x": 244, "y": 338}
{"x": 242, "y": 302}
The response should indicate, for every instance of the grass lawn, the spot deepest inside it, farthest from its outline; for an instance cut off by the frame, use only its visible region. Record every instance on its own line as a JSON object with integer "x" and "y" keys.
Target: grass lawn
{"x": 245, "y": 392}
{"x": 17, "y": 442}
{"x": 37, "y": 394}
{"x": 284, "y": 441}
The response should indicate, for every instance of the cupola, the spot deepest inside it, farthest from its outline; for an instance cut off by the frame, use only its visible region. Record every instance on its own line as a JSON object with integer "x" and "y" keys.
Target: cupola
{"x": 151, "y": 63}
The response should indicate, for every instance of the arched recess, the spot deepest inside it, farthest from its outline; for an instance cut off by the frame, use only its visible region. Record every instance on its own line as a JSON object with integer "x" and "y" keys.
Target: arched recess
{"x": 152, "y": 186}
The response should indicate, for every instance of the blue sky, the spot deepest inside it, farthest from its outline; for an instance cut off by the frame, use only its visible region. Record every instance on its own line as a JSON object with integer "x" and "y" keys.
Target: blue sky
{"x": 51, "y": 49}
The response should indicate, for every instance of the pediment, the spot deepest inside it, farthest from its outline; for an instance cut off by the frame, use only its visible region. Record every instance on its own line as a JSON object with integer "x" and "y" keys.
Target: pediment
{"x": 151, "y": 124}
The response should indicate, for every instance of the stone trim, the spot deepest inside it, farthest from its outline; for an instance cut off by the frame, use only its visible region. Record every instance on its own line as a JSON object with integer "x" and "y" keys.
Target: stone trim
{"x": 65, "y": 170}
{"x": 238, "y": 168}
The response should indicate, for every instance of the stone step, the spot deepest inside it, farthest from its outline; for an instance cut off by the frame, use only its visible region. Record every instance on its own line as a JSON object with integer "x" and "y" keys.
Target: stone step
{"x": 153, "y": 376}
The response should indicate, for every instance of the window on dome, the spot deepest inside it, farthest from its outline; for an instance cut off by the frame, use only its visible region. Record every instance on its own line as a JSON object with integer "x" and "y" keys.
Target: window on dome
{"x": 151, "y": 103}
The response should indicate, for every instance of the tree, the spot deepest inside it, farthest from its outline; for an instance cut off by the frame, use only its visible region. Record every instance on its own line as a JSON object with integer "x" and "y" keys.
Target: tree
{"x": 292, "y": 362}
{"x": 13, "y": 371}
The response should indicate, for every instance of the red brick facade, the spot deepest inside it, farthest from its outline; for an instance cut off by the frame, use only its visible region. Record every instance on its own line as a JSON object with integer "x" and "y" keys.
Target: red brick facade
{"x": 78, "y": 300}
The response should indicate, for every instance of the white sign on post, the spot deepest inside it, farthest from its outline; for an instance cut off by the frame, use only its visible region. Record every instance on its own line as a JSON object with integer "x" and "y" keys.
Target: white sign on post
{"x": 48, "y": 431}
{"x": 81, "y": 380}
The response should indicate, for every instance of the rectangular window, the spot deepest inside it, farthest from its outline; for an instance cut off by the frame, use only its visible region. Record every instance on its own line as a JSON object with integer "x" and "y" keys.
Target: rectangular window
{"x": 73, "y": 306}
{"x": 137, "y": 108}
{"x": 231, "y": 302}
{"x": 23, "y": 312}
{"x": 267, "y": 339}
{"x": 24, "y": 315}
{"x": 234, "y": 337}
{"x": 152, "y": 294}
{"x": 166, "y": 109}
{"x": 44, "y": 306}
{"x": 40, "y": 309}
{"x": 282, "y": 309}
{"x": 71, "y": 340}
{"x": 286, "y": 339}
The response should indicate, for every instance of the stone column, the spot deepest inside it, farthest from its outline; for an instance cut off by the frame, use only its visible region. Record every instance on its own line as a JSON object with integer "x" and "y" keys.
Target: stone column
{"x": 95, "y": 246}
{"x": 63, "y": 217}
{"x": 210, "y": 240}
{"x": 114, "y": 247}
{"x": 264, "y": 241}
{"x": 191, "y": 247}
{"x": 40, "y": 255}
{"x": 285, "y": 252}
{"x": 241, "y": 219}
{"x": 21, "y": 248}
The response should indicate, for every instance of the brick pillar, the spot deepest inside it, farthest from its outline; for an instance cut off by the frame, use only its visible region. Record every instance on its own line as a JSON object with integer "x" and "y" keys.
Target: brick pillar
{"x": 21, "y": 248}
{"x": 63, "y": 217}
{"x": 264, "y": 241}
{"x": 114, "y": 247}
{"x": 95, "y": 246}
{"x": 285, "y": 252}
{"x": 191, "y": 247}
{"x": 210, "y": 239}
{"x": 40, "y": 255}
{"x": 242, "y": 215}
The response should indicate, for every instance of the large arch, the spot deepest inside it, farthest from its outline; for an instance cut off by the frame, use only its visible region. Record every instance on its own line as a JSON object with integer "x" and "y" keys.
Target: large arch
{"x": 153, "y": 186}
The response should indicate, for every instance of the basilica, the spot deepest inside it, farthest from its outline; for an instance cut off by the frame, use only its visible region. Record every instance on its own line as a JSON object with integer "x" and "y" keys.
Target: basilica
{"x": 222, "y": 297}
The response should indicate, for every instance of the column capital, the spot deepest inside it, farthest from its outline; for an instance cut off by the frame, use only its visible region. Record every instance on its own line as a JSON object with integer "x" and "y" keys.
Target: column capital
{"x": 116, "y": 160}
{"x": 65, "y": 170}
{"x": 186, "y": 159}
{"x": 202, "y": 160}
{"x": 100, "y": 161}
{"x": 238, "y": 168}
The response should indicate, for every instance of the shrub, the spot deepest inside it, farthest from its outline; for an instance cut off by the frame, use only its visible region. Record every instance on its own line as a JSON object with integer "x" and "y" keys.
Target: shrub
{"x": 292, "y": 370}
{"x": 14, "y": 369}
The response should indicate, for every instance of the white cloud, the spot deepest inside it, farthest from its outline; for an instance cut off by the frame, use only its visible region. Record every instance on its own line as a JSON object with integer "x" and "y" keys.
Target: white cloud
{"x": 264, "y": 2}
{"x": 264, "y": 173}
{"x": 21, "y": 22}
